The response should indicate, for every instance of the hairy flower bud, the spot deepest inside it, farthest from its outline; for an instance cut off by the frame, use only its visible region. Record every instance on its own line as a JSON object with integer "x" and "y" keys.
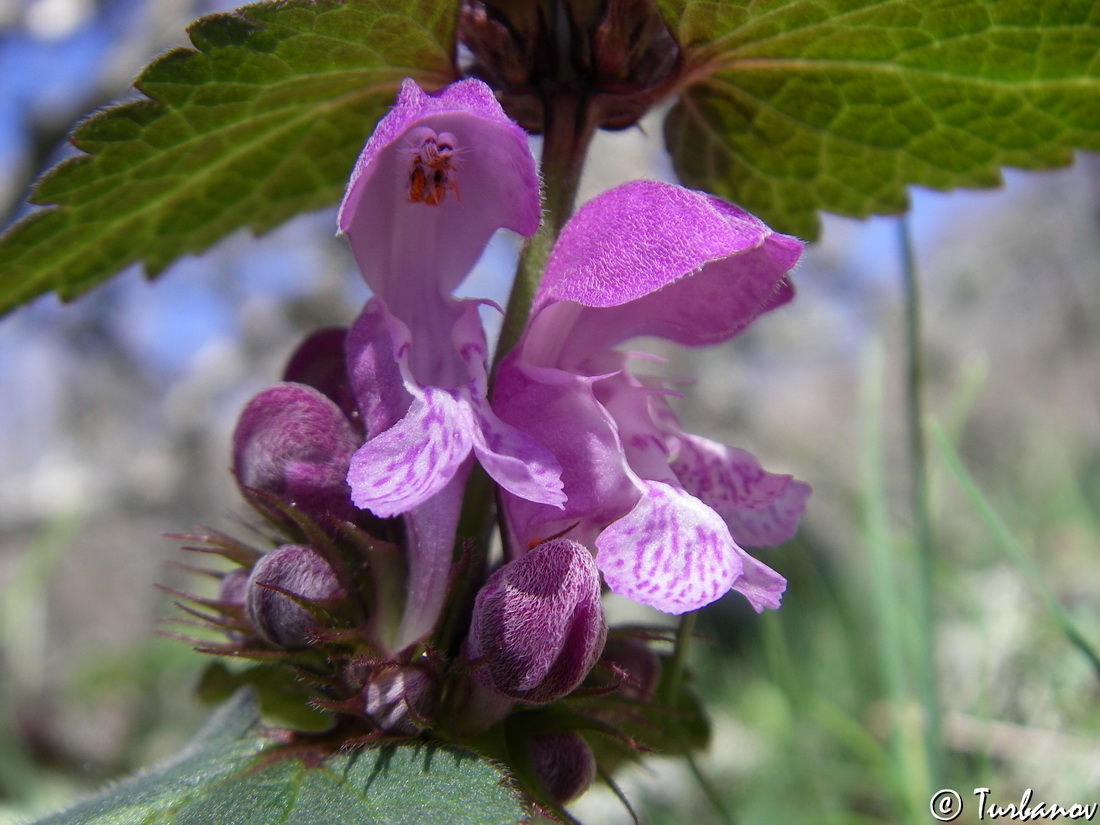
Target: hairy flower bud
{"x": 618, "y": 56}
{"x": 295, "y": 443}
{"x": 396, "y": 699}
{"x": 319, "y": 362}
{"x": 297, "y": 570}
{"x": 562, "y": 763}
{"x": 538, "y": 623}
{"x": 640, "y": 667}
{"x": 233, "y": 587}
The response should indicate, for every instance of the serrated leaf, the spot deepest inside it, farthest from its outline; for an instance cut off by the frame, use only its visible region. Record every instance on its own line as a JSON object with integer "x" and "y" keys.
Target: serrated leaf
{"x": 795, "y": 106}
{"x": 229, "y": 775}
{"x": 262, "y": 122}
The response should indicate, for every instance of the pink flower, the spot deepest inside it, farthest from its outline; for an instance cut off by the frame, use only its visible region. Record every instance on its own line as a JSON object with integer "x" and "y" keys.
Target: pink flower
{"x": 437, "y": 178}
{"x": 667, "y": 512}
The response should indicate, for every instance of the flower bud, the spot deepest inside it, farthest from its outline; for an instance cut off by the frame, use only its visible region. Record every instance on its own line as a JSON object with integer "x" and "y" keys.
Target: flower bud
{"x": 563, "y": 764}
{"x": 618, "y": 56}
{"x": 640, "y": 667}
{"x": 538, "y": 623}
{"x": 319, "y": 362}
{"x": 397, "y": 698}
{"x": 294, "y": 442}
{"x": 298, "y": 570}
{"x": 233, "y": 587}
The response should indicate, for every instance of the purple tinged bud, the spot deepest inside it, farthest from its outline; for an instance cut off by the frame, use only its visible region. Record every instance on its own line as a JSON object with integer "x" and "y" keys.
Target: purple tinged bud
{"x": 538, "y": 623}
{"x": 295, "y": 443}
{"x": 639, "y": 666}
{"x": 298, "y": 570}
{"x": 319, "y": 362}
{"x": 233, "y": 587}
{"x": 618, "y": 55}
{"x": 232, "y": 592}
{"x": 396, "y": 699}
{"x": 563, "y": 764}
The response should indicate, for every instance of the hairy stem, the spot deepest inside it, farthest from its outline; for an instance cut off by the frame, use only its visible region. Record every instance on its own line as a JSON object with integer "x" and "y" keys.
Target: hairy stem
{"x": 569, "y": 129}
{"x": 679, "y": 657}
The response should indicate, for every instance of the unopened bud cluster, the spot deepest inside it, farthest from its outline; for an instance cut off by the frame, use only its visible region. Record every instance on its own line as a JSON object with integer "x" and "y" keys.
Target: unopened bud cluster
{"x": 616, "y": 57}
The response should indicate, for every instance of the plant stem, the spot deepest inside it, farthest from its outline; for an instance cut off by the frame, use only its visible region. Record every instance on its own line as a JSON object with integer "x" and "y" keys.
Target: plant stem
{"x": 679, "y": 657}
{"x": 922, "y": 519}
{"x": 887, "y": 591}
{"x": 568, "y": 131}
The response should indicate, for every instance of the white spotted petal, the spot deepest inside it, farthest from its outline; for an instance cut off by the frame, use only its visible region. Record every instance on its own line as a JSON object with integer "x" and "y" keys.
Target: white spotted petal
{"x": 671, "y": 551}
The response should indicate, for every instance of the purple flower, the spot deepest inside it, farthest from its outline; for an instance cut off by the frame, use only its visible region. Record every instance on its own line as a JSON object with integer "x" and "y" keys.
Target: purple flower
{"x": 437, "y": 178}
{"x": 666, "y": 511}
{"x": 538, "y": 623}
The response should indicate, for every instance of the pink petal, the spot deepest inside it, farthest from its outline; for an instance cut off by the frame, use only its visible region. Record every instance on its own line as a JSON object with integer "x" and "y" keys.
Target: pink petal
{"x": 671, "y": 551}
{"x": 405, "y": 249}
{"x": 760, "y": 508}
{"x": 414, "y": 459}
{"x": 558, "y": 410}
{"x": 649, "y": 258}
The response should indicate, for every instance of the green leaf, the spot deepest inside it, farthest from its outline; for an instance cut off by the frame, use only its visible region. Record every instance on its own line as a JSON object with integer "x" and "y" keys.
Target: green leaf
{"x": 795, "y": 106}
{"x": 263, "y": 122}
{"x": 230, "y": 775}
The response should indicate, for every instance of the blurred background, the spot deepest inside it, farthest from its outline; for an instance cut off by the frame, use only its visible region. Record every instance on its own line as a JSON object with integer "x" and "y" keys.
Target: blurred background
{"x": 116, "y": 413}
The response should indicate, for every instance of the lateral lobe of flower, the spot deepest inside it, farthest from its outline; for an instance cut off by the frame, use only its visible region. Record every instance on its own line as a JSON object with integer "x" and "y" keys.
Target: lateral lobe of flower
{"x": 760, "y": 508}
{"x": 373, "y": 371}
{"x": 405, "y": 465}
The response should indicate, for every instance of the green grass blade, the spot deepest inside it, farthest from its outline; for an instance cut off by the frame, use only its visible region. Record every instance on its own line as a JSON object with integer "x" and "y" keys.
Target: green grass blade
{"x": 1010, "y": 545}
